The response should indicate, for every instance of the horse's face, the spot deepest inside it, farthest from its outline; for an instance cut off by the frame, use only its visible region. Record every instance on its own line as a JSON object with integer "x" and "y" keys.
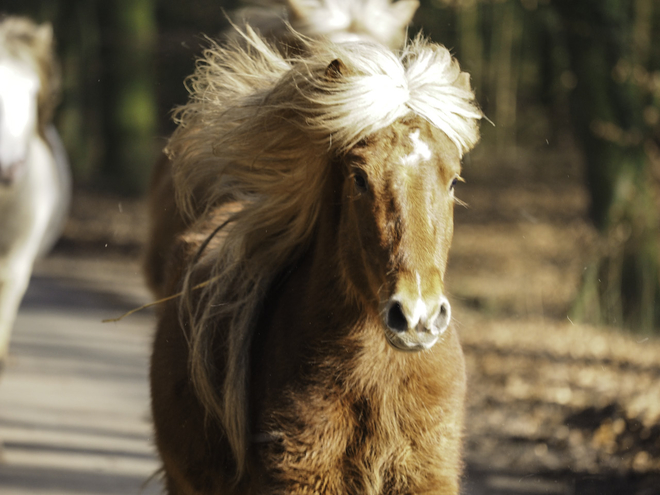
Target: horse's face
{"x": 397, "y": 226}
{"x": 19, "y": 88}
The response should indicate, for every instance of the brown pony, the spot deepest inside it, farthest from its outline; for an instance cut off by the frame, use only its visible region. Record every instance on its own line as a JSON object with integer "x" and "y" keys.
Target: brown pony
{"x": 312, "y": 350}
{"x": 384, "y": 21}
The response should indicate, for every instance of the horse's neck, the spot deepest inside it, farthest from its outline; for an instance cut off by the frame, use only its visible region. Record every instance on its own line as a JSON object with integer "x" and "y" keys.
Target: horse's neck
{"x": 316, "y": 278}
{"x": 324, "y": 254}
{"x": 305, "y": 309}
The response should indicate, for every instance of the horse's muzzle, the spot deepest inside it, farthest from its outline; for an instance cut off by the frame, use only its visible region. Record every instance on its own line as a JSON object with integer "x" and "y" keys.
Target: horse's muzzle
{"x": 413, "y": 330}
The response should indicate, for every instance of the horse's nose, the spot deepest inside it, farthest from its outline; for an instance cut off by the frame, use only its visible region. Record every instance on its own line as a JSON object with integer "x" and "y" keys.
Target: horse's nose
{"x": 415, "y": 325}
{"x": 395, "y": 318}
{"x": 401, "y": 319}
{"x": 444, "y": 315}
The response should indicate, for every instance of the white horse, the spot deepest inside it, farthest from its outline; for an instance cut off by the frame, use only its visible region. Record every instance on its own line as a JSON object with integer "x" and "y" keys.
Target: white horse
{"x": 35, "y": 181}
{"x": 384, "y": 21}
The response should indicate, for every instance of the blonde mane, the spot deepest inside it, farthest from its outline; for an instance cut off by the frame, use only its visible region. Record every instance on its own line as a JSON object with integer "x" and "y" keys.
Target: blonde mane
{"x": 262, "y": 130}
{"x": 32, "y": 45}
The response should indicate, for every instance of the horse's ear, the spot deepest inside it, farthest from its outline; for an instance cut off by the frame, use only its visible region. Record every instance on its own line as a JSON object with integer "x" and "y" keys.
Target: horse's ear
{"x": 297, "y": 9}
{"x": 404, "y": 10}
{"x": 45, "y": 33}
{"x": 335, "y": 70}
{"x": 463, "y": 82}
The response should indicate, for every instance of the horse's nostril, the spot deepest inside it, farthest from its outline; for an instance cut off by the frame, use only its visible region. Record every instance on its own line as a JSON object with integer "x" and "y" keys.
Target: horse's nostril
{"x": 445, "y": 313}
{"x": 396, "y": 320}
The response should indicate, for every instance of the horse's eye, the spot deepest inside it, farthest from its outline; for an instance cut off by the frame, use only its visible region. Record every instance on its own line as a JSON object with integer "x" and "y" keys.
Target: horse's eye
{"x": 360, "y": 180}
{"x": 453, "y": 184}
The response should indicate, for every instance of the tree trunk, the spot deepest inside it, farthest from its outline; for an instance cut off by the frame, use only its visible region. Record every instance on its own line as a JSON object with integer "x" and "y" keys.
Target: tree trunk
{"x": 621, "y": 285}
{"x": 471, "y": 43}
{"x": 130, "y": 36}
{"x": 504, "y": 72}
{"x": 79, "y": 118}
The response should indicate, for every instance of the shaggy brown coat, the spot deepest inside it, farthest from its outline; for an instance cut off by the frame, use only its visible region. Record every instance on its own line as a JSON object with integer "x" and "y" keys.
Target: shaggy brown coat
{"x": 341, "y": 411}
{"x": 287, "y": 372}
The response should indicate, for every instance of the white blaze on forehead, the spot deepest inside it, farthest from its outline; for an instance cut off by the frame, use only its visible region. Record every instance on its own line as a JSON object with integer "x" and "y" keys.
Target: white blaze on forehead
{"x": 421, "y": 150}
{"x": 18, "y": 110}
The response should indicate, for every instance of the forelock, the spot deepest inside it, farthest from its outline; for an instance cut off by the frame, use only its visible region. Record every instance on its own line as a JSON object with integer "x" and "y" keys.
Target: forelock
{"x": 379, "y": 87}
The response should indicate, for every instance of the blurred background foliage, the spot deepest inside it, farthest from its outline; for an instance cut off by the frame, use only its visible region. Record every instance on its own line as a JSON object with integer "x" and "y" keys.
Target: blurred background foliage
{"x": 123, "y": 63}
{"x": 557, "y": 78}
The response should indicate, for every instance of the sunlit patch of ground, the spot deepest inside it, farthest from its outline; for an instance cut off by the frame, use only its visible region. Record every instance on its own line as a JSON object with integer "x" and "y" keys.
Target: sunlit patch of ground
{"x": 546, "y": 395}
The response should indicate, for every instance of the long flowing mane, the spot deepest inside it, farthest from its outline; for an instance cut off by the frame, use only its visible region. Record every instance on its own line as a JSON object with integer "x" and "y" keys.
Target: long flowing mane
{"x": 262, "y": 130}
{"x": 24, "y": 41}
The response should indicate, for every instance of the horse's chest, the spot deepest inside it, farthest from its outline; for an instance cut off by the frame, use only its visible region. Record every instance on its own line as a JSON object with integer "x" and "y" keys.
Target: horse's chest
{"x": 339, "y": 435}
{"x": 343, "y": 446}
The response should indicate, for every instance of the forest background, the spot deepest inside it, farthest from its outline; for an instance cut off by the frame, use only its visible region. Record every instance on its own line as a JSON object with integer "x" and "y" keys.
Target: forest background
{"x": 574, "y": 80}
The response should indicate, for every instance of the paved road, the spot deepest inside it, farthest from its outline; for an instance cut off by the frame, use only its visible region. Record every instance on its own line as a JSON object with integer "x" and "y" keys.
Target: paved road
{"x": 74, "y": 410}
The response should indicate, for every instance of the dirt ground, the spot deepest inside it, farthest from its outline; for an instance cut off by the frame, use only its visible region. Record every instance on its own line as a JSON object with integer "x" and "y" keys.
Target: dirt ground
{"x": 562, "y": 407}
{"x": 548, "y": 397}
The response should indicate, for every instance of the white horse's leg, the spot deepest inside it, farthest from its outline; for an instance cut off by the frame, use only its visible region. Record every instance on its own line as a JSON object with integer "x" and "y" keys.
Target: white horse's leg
{"x": 14, "y": 279}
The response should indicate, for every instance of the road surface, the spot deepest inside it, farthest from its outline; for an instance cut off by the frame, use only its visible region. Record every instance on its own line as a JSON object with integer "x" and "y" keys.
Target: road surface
{"x": 74, "y": 399}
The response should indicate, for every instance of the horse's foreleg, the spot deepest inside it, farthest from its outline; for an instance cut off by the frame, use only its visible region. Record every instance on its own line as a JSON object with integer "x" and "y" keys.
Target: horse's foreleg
{"x": 14, "y": 278}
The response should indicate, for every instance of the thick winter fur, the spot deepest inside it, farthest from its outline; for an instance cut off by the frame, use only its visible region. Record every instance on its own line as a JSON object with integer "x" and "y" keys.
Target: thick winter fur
{"x": 382, "y": 21}
{"x": 34, "y": 173}
{"x": 336, "y": 172}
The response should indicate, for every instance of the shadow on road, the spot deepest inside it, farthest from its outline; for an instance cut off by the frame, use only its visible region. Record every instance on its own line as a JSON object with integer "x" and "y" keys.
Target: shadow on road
{"x": 74, "y": 399}
{"x": 501, "y": 482}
